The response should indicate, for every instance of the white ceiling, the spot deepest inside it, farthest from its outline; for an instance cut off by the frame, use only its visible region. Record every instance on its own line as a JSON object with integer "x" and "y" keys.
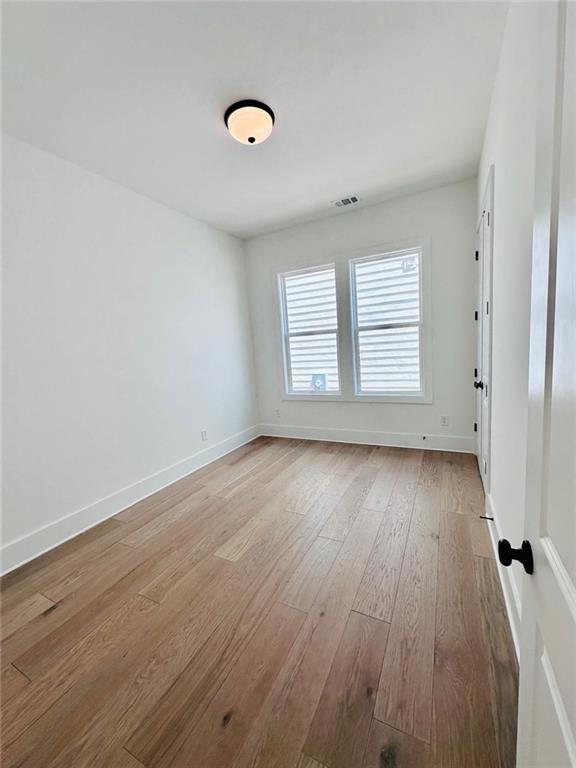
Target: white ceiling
{"x": 373, "y": 99}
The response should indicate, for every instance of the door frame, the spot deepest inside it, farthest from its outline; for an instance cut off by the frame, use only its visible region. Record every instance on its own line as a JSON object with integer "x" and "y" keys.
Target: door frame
{"x": 485, "y": 308}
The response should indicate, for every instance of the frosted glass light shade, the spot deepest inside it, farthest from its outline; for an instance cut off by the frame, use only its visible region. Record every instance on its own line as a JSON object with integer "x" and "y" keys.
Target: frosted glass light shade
{"x": 249, "y": 122}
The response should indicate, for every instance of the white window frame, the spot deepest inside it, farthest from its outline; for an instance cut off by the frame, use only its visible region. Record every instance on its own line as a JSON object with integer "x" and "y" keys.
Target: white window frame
{"x": 424, "y": 394}
{"x": 344, "y": 306}
{"x": 288, "y": 393}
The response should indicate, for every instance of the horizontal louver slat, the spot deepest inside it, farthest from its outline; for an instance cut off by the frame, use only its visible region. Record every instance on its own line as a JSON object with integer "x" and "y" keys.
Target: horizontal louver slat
{"x": 311, "y": 324}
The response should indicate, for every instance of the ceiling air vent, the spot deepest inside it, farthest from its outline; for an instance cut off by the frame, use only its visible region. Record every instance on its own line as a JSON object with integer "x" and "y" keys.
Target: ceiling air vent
{"x": 346, "y": 201}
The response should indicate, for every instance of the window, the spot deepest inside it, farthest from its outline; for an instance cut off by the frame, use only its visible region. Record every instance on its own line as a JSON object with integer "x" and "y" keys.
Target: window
{"x": 387, "y": 323}
{"x": 374, "y": 347}
{"x": 310, "y": 330}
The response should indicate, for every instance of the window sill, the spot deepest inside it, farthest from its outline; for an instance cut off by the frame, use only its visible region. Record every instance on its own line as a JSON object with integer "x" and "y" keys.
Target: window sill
{"x": 380, "y": 399}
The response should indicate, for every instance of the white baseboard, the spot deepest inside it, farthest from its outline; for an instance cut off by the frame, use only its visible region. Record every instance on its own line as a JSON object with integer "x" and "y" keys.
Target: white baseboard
{"x": 20, "y": 551}
{"x": 368, "y": 437}
{"x": 509, "y": 586}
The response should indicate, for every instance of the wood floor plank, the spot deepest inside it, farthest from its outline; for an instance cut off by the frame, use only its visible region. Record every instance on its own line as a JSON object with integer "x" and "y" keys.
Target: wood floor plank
{"x": 47, "y": 636}
{"x": 27, "y": 573}
{"x": 345, "y": 460}
{"x": 51, "y": 629}
{"x": 342, "y": 519}
{"x": 222, "y": 525}
{"x": 224, "y": 726}
{"x": 339, "y": 730}
{"x": 295, "y": 450}
{"x": 472, "y": 484}
{"x": 278, "y": 735}
{"x": 308, "y": 762}
{"x": 24, "y": 612}
{"x": 89, "y": 577}
{"x": 12, "y": 683}
{"x": 36, "y": 648}
{"x": 461, "y": 485}
{"x": 405, "y": 693}
{"x": 159, "y": 502}
{"x": 254, "y": 530}
{"x": 33, "y": 577}
{"x": 377, "y": 592}
{"x": 452, "y": 485}
{"x": 261, "y": 455}
{"x": 389, "y": 748}
{"x": 307, "y": 579}
{"x": 245, "y": 461}
{"x": 40, "y": 628}
{"x": 310, "y": 460}
{"x": 338, "y": 484}
{"x": 122, "y": 759}
{"x": 502, "y": 658}
{"x": 384, "y": 482}
{"x": 119, "y": 758}
{"x": 304, "y": 490}
{"x": 197, "y": 504}
{"x": 319, "y": 455}
{"x": 431, "y": 468}
{"x": 463, "y": 731}
{"x": 480, "y": 537}
{"x": 38, "y": 697}
{"x": 285, "y": 454}
{"x": 224, "y": 476}
{"x": 251, "y": 451}
{"x": 380, "y": 455}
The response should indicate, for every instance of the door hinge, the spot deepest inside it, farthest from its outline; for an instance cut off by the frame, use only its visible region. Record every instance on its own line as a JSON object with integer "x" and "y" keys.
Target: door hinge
{"x": 485, "y": 466}
{"x": 476, "y": 256}
{"x": 487, "y": 307}
{"x": 488, "y": 218}
{"x": 475, "y": 373}
{"x": 475, "y": 426}
{"x": 475, "y": 315}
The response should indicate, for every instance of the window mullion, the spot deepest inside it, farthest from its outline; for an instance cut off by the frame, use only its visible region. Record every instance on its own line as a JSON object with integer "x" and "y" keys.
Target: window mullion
{"x": 345, "y": 347}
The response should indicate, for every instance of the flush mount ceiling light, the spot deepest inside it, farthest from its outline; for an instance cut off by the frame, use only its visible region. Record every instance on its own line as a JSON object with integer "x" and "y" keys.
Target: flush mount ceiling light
{"x": 249, "y": 121}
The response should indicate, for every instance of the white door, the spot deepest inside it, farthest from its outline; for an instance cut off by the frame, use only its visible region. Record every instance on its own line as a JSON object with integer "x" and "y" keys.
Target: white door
{"x": 482, "y": 381}
{"x": 547, "y": 705}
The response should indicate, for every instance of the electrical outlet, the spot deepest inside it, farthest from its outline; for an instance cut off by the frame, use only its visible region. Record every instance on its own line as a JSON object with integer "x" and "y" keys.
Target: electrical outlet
{"x": 443, "y": 421}
{"x": 277, "y": 413}
{"x": 204, "y": 435}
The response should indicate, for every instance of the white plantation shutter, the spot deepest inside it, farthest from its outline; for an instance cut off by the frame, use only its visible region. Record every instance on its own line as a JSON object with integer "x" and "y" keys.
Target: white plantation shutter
{"x": 310, "y": 327}
{"x": 386, "y": 296}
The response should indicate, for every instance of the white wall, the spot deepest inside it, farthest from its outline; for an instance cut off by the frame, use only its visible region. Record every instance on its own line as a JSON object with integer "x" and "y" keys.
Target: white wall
{"x": 509, "y": 145}
{"x": 126, "y": 332}
{"x": 446, "y": 216}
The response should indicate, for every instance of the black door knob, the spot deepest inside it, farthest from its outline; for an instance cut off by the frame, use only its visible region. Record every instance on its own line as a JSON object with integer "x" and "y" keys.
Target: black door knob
{"x": 478, "y": 385}
{"x": 506, "y": 554}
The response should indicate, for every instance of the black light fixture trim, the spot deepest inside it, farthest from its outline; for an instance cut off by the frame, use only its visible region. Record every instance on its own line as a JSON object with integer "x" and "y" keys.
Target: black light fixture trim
{"x": 247, "y": 103}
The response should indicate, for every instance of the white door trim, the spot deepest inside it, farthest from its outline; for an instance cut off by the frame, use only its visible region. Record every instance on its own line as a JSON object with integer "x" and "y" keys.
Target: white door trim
{"x": 485, "y": 249}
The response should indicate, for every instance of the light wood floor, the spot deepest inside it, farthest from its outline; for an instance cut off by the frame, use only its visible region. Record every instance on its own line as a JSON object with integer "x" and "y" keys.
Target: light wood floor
{"x": 292, "y": 604}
